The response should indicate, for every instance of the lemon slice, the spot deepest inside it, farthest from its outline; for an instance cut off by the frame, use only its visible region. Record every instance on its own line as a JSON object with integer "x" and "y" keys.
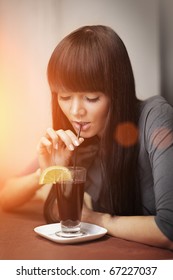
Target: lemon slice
{"x": 54, "y": 174}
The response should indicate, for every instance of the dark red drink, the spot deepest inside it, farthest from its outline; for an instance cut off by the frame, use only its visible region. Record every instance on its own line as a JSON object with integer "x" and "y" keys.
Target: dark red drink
{"x": 70, "y": 200}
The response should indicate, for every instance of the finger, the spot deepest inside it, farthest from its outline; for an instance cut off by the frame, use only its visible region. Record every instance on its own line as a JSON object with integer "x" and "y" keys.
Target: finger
{"x": 74, "y": 138}
{"x": 44, "y": 144}
{"x": 53, "y": 137}
{"x": 66, "y": 139}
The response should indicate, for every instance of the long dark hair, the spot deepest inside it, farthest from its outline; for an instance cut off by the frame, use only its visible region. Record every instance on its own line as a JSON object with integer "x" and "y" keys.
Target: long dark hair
{"x": 94, "y": 58}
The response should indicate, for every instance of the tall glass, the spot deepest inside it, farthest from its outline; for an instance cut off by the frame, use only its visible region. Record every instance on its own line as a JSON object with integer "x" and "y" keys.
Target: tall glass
{"x": 70, "y": 200}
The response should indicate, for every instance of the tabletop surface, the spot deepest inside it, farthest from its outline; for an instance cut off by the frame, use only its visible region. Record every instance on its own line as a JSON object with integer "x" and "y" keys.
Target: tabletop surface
{"x": 18, "y": 241}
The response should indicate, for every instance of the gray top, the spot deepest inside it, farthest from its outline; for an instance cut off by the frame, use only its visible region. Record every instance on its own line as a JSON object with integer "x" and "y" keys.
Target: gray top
{"x": 155, "y": 163}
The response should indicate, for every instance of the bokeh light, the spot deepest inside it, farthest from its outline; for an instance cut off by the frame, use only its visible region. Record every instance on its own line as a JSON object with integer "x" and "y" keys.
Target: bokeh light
{"x": 126, "y": 134}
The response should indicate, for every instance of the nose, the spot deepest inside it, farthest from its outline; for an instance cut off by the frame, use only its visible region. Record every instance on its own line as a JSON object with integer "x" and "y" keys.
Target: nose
{"x": 77, "y": 108}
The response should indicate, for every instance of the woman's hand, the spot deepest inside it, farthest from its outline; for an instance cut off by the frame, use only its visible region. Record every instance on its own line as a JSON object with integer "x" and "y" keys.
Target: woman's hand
{"x": 56, "y": 147}
{"x": 86, "y": 214}
{"x": 97, "y": 218}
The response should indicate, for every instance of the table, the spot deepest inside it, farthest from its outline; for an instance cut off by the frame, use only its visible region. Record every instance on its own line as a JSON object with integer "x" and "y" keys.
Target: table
{"x": 18, "y": 241}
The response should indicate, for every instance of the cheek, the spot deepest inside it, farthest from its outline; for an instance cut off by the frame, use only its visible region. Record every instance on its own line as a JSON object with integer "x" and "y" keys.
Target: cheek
{"x": 101, "y": 115}
{"x": 63, "y": 108}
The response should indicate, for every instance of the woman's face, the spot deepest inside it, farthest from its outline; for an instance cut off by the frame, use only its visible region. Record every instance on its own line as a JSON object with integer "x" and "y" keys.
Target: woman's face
{"x": 86, "y": 109}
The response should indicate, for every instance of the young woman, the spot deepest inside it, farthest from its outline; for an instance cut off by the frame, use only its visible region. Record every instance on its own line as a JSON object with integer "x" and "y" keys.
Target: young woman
{"x": 125, "y": 144}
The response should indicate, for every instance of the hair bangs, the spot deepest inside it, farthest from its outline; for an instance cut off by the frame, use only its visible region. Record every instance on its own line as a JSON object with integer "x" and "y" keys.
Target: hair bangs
{"x": 78, "y": 67}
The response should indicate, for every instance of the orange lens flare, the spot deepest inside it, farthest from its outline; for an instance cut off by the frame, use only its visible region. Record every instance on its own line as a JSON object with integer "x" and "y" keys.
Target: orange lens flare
{"x": 126, "y": 134}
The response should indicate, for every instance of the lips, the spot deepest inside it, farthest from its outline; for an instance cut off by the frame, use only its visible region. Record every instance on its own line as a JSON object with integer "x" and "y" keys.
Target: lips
{"x": 84, "y": 125}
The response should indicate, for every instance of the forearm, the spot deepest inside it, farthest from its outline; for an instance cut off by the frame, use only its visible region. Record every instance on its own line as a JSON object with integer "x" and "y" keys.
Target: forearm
{"x": 141, "y": 229}
{"x": 19, "y": 190}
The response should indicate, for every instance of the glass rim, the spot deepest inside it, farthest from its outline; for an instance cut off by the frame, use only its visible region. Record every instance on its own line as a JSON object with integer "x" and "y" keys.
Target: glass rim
{"x": 71, "y": 167}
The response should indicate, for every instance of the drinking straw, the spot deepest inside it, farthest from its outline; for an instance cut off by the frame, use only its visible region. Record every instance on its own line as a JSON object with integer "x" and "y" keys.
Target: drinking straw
{"x": 75, "y": 152}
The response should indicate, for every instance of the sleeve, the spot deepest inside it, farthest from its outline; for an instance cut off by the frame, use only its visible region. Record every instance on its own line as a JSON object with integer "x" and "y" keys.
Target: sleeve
{"x": 159, "y": 139}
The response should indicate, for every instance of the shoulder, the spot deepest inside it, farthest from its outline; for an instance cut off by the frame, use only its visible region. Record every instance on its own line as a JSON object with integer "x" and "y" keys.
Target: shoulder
{"x": 155, "y": 110}
{"x": 155, "y": 122}
{"x": 156, "y": 102}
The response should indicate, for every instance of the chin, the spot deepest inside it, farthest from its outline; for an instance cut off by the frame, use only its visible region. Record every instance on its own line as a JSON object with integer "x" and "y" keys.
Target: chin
{"x": 87, "y": 135}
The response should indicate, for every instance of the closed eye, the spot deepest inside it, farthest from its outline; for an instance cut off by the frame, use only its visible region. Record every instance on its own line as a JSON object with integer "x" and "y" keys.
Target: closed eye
{"x": 64, "y": 98}
{"x": 92, "y": 99}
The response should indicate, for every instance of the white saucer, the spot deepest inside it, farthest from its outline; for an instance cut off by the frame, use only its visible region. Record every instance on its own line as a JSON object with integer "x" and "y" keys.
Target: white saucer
{"x": 91, "y": 232}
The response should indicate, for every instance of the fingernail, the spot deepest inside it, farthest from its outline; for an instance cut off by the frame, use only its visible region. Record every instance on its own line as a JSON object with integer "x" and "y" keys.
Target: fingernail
{"x": 71, "y": 147}
{"x": 81, "y": 140}
{"x": 76, "y": 142}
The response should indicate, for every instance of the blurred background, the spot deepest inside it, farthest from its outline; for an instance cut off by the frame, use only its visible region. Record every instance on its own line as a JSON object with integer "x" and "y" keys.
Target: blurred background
{"x": 30, "y": 30}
